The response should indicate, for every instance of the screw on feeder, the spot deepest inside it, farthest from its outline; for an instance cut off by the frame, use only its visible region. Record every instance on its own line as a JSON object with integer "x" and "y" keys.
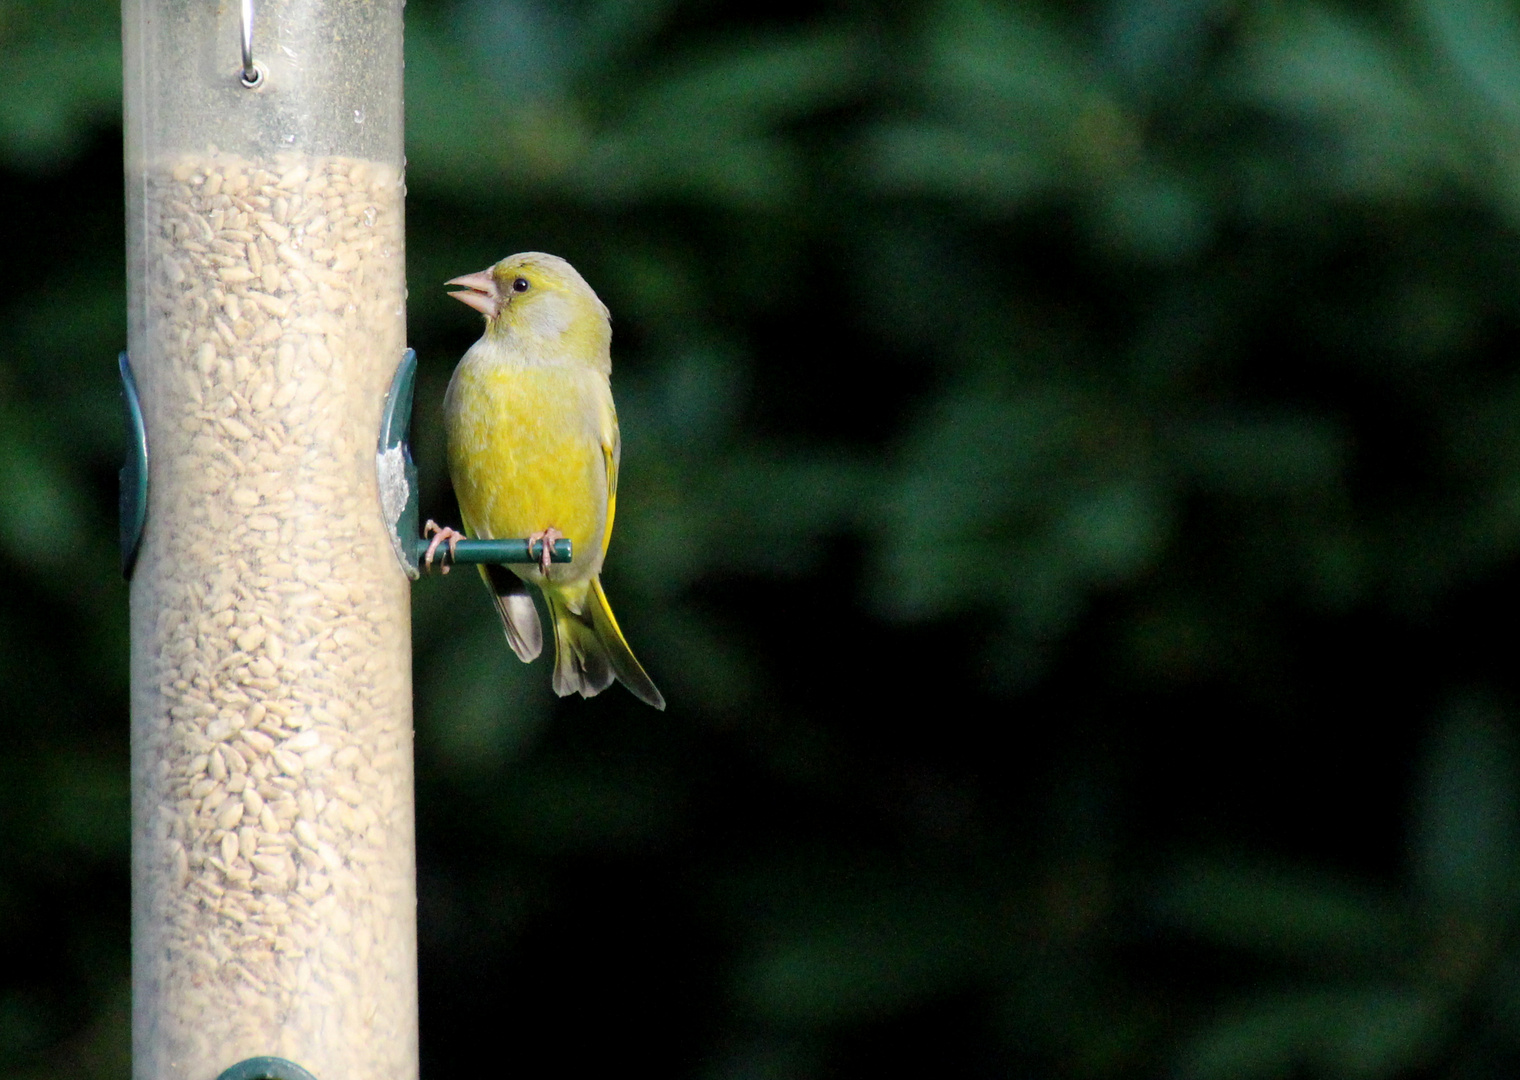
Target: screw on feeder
{"x": 252, "y": 76}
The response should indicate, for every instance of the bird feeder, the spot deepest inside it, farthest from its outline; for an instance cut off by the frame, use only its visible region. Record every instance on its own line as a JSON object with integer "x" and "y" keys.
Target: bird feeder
{"x": 273, "y": 857}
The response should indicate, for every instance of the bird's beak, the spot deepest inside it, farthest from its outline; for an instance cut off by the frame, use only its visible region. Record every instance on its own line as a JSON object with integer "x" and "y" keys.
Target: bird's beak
{"x": 479, "y": 292}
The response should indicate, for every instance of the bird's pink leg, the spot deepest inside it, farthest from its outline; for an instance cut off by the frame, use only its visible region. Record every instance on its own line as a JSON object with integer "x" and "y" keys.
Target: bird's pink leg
{"x": 548, "y": 536}
{"x": 440, "y": 535}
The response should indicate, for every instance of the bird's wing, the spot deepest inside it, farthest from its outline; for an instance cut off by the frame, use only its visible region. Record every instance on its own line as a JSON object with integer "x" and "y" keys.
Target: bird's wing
{"x": 611, "y": 452}
{"x": 519, "y": 618}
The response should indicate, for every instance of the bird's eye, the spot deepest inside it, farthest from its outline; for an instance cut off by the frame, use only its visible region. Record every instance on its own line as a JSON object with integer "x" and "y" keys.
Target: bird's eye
{"x": 520, "y": 285}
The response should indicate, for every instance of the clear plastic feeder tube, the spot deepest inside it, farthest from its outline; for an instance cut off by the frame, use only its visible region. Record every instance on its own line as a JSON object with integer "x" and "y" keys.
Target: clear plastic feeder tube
{"x": 273, "y": 859}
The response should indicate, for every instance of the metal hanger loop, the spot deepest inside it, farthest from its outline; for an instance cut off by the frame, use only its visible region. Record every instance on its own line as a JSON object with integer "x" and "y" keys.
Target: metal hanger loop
{"x": 252, "y": 75}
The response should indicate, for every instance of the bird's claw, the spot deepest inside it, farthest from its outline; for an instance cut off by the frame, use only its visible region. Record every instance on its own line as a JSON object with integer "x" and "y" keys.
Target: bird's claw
{"x": 441, "y": 535}
{"x": 548, "y": 536}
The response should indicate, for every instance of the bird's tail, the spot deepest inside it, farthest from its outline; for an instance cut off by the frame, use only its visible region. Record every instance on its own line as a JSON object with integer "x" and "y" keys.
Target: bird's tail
{"x": 589, "y": 649}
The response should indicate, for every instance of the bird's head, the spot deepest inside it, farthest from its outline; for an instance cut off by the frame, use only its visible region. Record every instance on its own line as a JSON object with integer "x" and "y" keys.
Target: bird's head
{"x": 541, "y": 303}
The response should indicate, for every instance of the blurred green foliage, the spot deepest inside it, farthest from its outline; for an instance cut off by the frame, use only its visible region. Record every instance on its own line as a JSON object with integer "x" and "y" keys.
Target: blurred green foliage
{"x": 1071, "y": 500}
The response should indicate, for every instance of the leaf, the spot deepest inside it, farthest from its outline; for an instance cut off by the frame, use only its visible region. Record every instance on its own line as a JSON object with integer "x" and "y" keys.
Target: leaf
{"x": 1014, "y": 109}
{"x": 748, "y": 86}
{"x": 1359, "y": 116}
{"x": 60, "y": 79}
{"x": 1286, "y": 915}
{"x": 1005, "y": 68}
{"x": 1256, "y": 456}
{"x": 918, "y": 158}
{"x": 1159, "y": 42}
{"x": 1373, "y": 1031}
{"x": 1466, "y": 835}
{"x": 1028, "y": 502}
{"x": 1481, "y": 38}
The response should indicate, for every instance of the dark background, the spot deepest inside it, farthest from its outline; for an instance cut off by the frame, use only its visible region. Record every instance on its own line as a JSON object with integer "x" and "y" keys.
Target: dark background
{"x": 1071, "y": 500}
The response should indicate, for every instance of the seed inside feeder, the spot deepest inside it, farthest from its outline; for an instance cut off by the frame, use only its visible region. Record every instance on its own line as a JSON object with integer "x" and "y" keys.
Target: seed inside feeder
{"x": 275, "y": 747}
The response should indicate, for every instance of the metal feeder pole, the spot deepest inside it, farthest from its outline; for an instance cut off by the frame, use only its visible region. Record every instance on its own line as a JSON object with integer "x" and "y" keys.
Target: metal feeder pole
{"x": 273, "y": 900}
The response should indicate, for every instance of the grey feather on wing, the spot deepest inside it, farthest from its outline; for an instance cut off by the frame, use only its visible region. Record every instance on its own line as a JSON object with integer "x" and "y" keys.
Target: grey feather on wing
{"x": 519, "y": 618}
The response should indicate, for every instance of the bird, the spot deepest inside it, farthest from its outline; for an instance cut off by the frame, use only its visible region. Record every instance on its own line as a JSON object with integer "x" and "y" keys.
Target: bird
{"x": 533, "y": 450}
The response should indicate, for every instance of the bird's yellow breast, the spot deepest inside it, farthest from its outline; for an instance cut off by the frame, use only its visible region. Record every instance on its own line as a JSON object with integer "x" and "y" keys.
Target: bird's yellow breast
{"x": 528, "y": 451}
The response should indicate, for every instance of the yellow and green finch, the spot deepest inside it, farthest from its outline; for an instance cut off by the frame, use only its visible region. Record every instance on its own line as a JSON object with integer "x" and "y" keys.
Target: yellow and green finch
{"x": 533, "y": 451}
